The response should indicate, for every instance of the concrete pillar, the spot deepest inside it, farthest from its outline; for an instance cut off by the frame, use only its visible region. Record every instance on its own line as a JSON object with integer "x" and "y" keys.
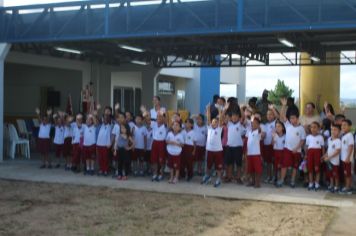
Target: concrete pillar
{"x": 4, "y": 50}
{"x": 209, "y": 85}
{"x": 320, "y": 80}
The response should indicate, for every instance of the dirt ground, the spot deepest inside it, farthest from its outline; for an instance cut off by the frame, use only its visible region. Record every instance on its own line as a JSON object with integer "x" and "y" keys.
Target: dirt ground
{"x": 28, "y": 208}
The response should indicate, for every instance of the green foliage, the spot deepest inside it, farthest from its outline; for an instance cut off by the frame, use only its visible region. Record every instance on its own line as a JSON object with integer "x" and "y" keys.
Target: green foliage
{"x": 280, "y": 90}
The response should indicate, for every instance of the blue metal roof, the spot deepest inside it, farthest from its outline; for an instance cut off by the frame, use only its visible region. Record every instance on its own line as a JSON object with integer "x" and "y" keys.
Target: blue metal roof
{"x": 120, "y": 19}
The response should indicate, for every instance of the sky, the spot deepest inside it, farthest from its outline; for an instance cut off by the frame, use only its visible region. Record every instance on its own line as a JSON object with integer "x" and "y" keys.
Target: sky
{"x": 257, "y": 78}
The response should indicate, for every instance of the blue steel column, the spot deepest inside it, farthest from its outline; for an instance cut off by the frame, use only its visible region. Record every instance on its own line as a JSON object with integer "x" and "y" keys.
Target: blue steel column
{"x": 4, "y": 49}
{"x": 209, "y": 85}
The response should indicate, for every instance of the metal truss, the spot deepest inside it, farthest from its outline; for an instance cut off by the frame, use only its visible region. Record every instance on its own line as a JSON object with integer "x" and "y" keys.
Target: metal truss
{"x": 122, "y": 19}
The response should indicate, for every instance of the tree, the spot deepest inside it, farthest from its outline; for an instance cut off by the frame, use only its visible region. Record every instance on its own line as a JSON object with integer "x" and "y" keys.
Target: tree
{"x": 280, "y": 90}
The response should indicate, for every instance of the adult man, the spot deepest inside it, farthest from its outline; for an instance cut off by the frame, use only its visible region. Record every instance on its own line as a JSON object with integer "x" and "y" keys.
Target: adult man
{"x": 262, "y": 105}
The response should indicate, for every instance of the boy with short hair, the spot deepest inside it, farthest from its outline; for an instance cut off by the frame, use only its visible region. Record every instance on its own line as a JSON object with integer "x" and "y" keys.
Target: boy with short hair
{"x": 347, "y": 153}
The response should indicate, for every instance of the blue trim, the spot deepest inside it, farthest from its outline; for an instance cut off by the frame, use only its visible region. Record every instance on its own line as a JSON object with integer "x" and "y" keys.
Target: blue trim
{"x": 209, "y": 86}
{"x": 168, "y": 18}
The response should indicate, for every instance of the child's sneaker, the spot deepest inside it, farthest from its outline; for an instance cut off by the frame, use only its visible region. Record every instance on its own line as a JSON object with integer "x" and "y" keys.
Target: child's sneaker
{"x": 142, "y": 173}
{"x": 206, "y": 179}
{"x": 272, "y": 180}
{"x": 292, "y": 185}
{"x": 345, "y": 191}
{"x": 266, "y": 181}
{"x": 279, "y": 184}
{"x": 310, "y": 186}
{"x": 105, "y": 174}
{"x": 336, "y": 190}
{"x": 135, "y": 173}
{"x": 119, "y": 177}
{"x": 175, "y": 181}
{"x": 317, "y": 187}
{"x": 217, "y": 183}
{"x": 159, "y": 178}
{"x": 154, "y": 178}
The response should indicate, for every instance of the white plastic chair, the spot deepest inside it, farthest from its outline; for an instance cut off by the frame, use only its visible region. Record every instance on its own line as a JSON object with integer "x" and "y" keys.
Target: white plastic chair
{"x": 15, "y": 140}
{"x": 22, "y": 128}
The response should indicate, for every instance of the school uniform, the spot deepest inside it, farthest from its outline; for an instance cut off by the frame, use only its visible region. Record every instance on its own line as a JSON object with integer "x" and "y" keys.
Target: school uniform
{"x": 77, "y": 144}
{"x": 140, "y": 134}
{"x": 158, "y": 152}
{"x": 254, "y": 160}
{"x": 149, "y": 142}
{"x": 187, "y": 160}
{"x": 267, "y": 150}
{"x": 278, "y": 147}
{"x": 200, "y": 133}
{"x": 115, "y": 132}
{"x": 234, "y": 144}
{"x": 89, "y": 142}
{"x": 174, "y": 151}
{"x": 333, "y": 145}
{"x": 214, "y": 148}
{"x": 346, "y": 141}
{"x": 294, "y": 135}
{"x": 103, "y": 145}
{"x": 58, "y": 140}
{"x": 67, "y": 146}
{"x": 315, "y": 145}
{"x": 43, "y": 141}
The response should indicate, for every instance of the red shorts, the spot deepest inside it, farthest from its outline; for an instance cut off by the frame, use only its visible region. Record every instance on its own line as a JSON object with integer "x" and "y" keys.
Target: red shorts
{"x": 67, "y": 147}
{"x": 103, "y": 158}
{"x": 267, "y": 153}
{"x": 58, "y": 149}
{"x": 254, "y": 165}
{"x": 43, "y": 145}
{"x": 174, "y": 162}
{"x": 215, "y": 158}
{"x": 89, "y": 152}
{"x": 77, "y": 154}
{"x": 334, "y": 173}
{"x": 313, "y": 160}
{"x": 199, "y": 153}
{"x": 278, "y": 157}
{"x": 158, "y": 152}
{"x": 291, "y": 159}
{"x": 138, "y": 154}
{"x": 347, "y": 168}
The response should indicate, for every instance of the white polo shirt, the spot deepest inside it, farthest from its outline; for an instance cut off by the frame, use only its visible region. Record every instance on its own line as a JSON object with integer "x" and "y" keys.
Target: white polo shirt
{"x": 333, "y": 146}
{"x": 77, "y": 133}
{"x": 213, "y": 142}
{"x": 189, "y": 137}
{"x": 253, "y": 143}
{"x": 104, "y": 135}
{"x": 279, "y": 142}
{"x": 200, "y": 133}
{"x": 153, "y": 112}
{"x": 269, "y": 129}
{"x": 59, "y": 135}
{"x": 174, "y": 150}
{"x": 235, "y": 132}
{"x": 44, "y": 131}
{"x": 294, "y": 134}
{"x": 346, "y": 141}
{"x": 89, "y": 134}
{"x": 159, "y": 132}
{"x": 67, "y": 131}
{"x": 140, "y": 133}
{"x": 116, "y": 130}
{"x": 314, "y": 142}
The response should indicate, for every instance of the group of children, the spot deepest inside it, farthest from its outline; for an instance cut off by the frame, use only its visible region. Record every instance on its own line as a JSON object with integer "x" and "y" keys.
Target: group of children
{"x": 234, "y": 146}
